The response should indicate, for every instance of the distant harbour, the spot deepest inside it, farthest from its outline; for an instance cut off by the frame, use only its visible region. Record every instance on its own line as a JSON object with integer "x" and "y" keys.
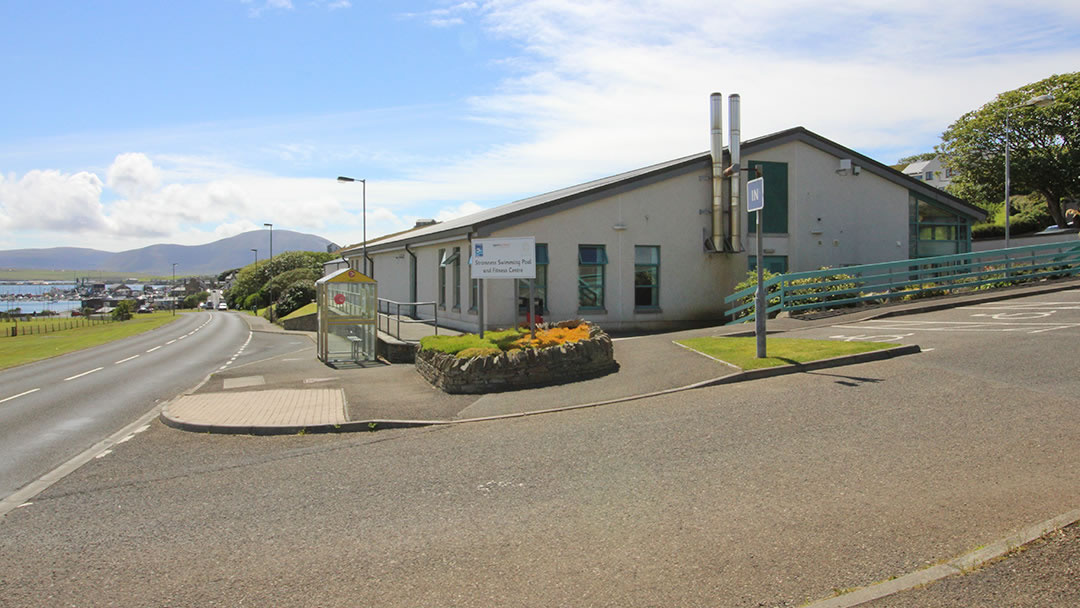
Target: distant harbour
{"x": 28, "y": 307}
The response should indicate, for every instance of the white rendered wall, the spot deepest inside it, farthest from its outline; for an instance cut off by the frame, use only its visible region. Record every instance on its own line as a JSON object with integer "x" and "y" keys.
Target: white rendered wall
{"x": 834, "y": 220}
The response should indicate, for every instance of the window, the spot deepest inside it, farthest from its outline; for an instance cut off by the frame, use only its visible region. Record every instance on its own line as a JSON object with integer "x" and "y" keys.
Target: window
{"x": 591, "y": 262}
{"x": 456, "y": 258}
{"x": 936, "y": 230}
{"x": 442, "y": 279}
{"x": 539, "y": 283}
{"x": 928, "y": 176}
{"x": 646, "y": 276}
{"x": 773, "y": 263}
{"x": 775, "y": 220}
{"x": 474, "y": 294}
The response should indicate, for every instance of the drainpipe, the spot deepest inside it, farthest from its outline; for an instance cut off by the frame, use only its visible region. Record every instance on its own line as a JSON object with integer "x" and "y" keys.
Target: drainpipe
{"x": 736, "y": 171}
{"x": 716, "y": 147}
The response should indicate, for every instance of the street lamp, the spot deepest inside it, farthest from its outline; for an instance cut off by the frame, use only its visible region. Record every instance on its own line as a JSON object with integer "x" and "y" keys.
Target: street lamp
{"x": 271, "y": 227}
{"x": 363, "y": 182}
{"x": 174, "y": 288}
{"x": 256, "y": 260}
{"x": 1040, "y": 101}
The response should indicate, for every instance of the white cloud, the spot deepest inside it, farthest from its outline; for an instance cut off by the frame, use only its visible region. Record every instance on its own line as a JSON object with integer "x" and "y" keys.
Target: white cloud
{"x": 449, "y": 213}
{"x": 51, "y": 200}
{"x": 132, "y": 174}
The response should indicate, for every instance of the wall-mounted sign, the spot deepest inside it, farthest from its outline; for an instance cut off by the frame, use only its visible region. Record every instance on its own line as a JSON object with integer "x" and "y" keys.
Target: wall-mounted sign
{"x": 507, "y": 258}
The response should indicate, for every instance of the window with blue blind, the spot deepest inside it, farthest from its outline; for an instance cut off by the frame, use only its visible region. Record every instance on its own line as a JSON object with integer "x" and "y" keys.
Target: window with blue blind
{"x": 592, "y": 261}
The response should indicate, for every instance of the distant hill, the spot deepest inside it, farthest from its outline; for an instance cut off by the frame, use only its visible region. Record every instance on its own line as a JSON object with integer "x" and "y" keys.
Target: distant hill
{"x": 212, "y": 258}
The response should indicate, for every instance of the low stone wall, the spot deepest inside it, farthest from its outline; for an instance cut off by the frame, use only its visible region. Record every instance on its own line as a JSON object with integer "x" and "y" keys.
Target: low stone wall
{"x": 528, "y": 368}
{"x": 304, "y": 323}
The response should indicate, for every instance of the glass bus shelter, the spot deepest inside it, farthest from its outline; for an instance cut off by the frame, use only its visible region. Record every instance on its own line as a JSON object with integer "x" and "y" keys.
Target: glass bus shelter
{"x": 347, "y": 316}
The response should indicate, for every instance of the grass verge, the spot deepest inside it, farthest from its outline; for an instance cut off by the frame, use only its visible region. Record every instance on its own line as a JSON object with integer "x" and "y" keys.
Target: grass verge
{"x": 742, "y": 351}
{"x": 26, "y": 349}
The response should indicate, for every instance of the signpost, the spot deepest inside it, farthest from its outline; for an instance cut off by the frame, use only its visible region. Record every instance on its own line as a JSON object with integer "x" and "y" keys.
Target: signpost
{"x": 504, "y": 258}
{"x": 755, "y": 201}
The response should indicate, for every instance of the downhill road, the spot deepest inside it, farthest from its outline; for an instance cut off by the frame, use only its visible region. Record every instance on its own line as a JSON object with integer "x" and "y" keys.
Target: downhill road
{"x": 54, "y": 409}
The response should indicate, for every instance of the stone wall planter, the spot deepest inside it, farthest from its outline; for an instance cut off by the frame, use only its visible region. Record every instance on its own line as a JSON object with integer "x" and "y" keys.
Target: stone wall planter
{"x": 514, "y": 370}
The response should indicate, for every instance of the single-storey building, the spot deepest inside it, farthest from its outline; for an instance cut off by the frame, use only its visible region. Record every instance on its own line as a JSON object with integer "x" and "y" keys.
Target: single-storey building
{"x": 640, "y": 250}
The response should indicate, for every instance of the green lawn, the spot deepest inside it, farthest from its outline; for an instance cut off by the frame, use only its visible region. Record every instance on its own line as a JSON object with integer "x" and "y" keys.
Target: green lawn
{"x": 742, "y": 352}
{"x": 25, "y": 349}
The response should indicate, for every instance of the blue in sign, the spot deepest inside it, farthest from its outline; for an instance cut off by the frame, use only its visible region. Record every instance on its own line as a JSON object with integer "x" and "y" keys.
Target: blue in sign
{"x": 755, "y": 194}
{"x": 479, "y": 250}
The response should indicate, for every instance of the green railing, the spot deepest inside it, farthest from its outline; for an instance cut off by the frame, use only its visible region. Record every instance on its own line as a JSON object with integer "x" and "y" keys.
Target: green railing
{"x": 907, "y": 279}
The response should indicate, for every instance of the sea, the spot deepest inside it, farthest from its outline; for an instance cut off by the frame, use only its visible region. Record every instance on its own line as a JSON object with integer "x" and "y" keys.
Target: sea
{"x": 34, "y": 300}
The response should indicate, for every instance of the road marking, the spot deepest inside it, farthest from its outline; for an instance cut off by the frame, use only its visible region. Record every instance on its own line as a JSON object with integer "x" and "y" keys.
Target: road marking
{"x": 181, "y": 337}
{"x": 866, "y": 338}
{"x": 33, "y": 390}
{"x": 963, "y": 326}
{"x": 84, "y": 374}
{"x": 153, "y": 349}
{"x": 169, "y": 342}
{"x": 126, "y": 360}
{"x": 1003, "y": 316}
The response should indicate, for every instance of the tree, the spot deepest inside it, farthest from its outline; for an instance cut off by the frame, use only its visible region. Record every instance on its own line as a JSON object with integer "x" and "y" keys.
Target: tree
{"x": 1044, "y": 146}
{"x": 123, "y": 310}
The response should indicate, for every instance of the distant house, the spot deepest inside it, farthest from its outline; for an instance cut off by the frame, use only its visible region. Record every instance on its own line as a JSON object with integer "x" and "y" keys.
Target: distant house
{"x": 931, "y": 171}
{"x": 641, "y": 250}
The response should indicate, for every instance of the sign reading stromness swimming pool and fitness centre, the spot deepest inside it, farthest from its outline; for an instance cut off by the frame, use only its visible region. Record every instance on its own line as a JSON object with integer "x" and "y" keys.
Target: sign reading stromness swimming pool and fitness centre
{"x": 507, "y": 258}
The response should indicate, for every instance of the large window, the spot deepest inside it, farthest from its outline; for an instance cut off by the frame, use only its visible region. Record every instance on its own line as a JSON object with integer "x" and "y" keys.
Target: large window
{"x": 539, "y": 283}
{"x": 457, "y": 277}
{"x": 936, "y": 230}
{"x": 592, "y": 260}
{"x": 442, "y": 278}
{"x": 453, "y": 260}
{"x": 474, "y": 294}
{"x": 775, "y": 220}
{"x": 646, "y": 276}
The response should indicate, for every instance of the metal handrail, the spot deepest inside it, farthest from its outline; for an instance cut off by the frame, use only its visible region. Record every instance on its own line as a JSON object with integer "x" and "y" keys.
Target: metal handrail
{"x": 384, "y": 307}
{"x": 820, "y": 289}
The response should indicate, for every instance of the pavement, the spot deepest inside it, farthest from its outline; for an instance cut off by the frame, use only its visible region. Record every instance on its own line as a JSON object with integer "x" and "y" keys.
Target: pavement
{"x": 296, "y": 393}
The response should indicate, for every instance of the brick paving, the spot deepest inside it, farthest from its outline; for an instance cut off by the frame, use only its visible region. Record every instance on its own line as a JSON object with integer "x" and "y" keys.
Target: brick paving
{"x": 269, "y": 408}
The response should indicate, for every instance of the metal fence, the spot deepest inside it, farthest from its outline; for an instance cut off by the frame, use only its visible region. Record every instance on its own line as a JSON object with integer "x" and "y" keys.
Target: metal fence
{"x": 390, "y": 313}
{"x": 907, "y": 279}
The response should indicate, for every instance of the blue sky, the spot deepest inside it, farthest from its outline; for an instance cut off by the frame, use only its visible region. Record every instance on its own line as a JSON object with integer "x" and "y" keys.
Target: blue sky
{"x": 129, "y": 123}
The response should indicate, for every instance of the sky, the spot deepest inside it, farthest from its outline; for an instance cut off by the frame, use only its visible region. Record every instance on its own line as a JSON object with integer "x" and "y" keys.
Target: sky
{"x": 136, "y": 122}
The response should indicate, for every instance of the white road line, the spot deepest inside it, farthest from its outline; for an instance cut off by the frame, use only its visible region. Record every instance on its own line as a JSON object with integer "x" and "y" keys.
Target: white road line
{"x": 84, "y": 374}
{"x": 126, "y": 360}
{"x": 153, "y": 349}
{"x": 181, "y": 337}
{"x": 169, "y": 342}
{"x": 33, "y": 390}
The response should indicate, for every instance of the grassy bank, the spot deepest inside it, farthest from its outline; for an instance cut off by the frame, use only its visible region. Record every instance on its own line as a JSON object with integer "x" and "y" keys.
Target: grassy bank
{"x": 742, "y": 352}
{"x": 25, "y": 349}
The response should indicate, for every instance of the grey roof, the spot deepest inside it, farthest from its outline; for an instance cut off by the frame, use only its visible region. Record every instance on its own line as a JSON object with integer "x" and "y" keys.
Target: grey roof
{"x": 916, "y": 167}
{"x": 476, "y": 222}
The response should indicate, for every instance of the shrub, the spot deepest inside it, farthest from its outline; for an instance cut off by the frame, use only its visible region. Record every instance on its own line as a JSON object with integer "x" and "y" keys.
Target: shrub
{"x": 554, "y": 337}
{"x": 296, "y": 295}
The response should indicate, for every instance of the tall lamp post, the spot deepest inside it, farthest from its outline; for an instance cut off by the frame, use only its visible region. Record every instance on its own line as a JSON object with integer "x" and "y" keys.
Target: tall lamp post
{"x": 256, "y": 251}
{"x": 1040, "y": 101}
{"x": 271, "y": 227}
{"x": 363, "y": 182}
{"x": 174, "y": 288}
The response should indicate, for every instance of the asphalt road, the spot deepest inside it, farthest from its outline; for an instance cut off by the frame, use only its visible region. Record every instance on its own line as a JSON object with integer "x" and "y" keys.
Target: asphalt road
{"x": 53, "y": 409}
{"x": 769, "y": 493}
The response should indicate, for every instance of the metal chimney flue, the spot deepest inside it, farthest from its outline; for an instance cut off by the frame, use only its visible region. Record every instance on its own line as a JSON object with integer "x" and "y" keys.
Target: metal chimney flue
{"x": 716, "y": 147}
{"x": 734, "y": 139}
